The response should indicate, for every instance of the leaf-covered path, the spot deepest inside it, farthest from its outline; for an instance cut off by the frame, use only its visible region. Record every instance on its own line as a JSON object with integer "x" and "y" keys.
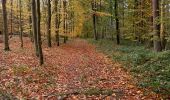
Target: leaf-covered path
{"x": 74, "y": 71}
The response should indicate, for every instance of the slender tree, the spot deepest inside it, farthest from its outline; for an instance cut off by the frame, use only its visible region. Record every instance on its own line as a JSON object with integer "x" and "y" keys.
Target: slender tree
{"x": 135, "y": 16}
{"x": 20, "y": 23}
{"x": 49, "y": 23}
{"x": 156, "y": 26}
{"x": 111, "y": 19}
{"x": 34, "y": 25}
{"x": 5, "y": 26}
{"x": 11, "y": 17}
{"x": 39, "y": 34}
{"x": 111, "y": 11}
{"x": 57, "y": 21}
{"x": 117, "y": 23}
{"x": 94, "y": 8}
{"x": 30, "y": 20}
{"x": 64, "y": 19}
{"x": 18, "y": 10}
{"x": 162, "y": 31}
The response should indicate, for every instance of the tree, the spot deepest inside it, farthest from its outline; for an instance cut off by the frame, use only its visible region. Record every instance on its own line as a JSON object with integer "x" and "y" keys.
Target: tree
{"x": 39, "y": 42}
{"x": 20, "y": 23}
{"x": 5, "y": 26}
{"x": 162, "y": 30}
{"x": 65, "y": 19}
{"x": 117, "y": 23}
{"x": 57, "y": 21}
{"x": 156, "y": 26}
{"x": 135, "y": 19}
{"x": 94, "y": 8}
{"x": 30, "y": 20}
{"x": 49, "y": 23}
{"x": 34, "y": 26}
{"x": 11, "y": 17}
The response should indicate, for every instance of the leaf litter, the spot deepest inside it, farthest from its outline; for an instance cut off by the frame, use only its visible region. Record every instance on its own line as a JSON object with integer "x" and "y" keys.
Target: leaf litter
{"x": 73, "y": 71}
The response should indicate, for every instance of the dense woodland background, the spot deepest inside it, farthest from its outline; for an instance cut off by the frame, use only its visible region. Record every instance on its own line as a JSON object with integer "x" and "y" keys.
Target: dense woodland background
{"x": 134, "y": 33}
{"x": 126, "y": 19}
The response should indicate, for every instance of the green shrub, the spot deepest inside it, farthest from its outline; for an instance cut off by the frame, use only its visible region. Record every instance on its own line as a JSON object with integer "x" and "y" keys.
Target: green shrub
{"x": 151, "y": 69}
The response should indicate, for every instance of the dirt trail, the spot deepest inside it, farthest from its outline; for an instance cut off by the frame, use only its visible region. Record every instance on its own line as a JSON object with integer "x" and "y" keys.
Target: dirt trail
{"x": 74, "y": 71}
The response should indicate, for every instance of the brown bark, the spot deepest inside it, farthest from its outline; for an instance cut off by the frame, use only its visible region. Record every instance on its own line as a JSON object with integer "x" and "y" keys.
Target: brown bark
{"x": 94, "y": 8}
{"x": 49, "y": 23}
{"x": 156, "y": 26}
{"x": 39, "y": 42}
{"x": 34, "y": 26}
{"x": 5, "y": 26}
{"x": 20, "y": 23}
{"x": 117, "y": 23}
{"x": 162, "y": 30}
{"x": 57, "y": 21}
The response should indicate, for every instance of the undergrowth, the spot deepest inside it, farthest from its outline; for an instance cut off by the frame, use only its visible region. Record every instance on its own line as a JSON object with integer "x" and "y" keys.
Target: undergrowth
{"x": 151, "y": 69}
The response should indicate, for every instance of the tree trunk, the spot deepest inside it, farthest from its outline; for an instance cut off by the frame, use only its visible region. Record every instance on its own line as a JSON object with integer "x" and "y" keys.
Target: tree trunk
{"x": 5, "y": 26}
{"x": 94, "y": 19}
{"x": 117, "y": 23}
{"x": 39, "y": 34}
{"x": 49, "y": 24}
{"x": 34, "y": 26}
{"x": 20, "y": 23}
{"x": 156, "y": 26}
{"x": 163, "y": 40}
{"x": 111, "y": 11}
{"x": 57, "y": 21}
{"x": 11, "y": 17}
{"x": 64, "y": 21}
{"x": 30, "y": 21}
{"x": 135, "y": 15}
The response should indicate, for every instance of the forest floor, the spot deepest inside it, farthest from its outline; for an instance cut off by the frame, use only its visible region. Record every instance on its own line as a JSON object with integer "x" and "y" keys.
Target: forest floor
{"x": 73, "y": 71}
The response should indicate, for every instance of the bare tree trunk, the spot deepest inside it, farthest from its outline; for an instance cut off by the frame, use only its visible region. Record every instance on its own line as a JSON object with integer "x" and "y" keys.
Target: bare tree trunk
{"x": 156, "y": 26}
{"x": 162, "y": 31}
{"x": 41, "y": 61}
{"x": 20, "y": 24}
{"x": 111, "y": 11}
{"x": 30, "y": 21}
{"x": 117, "y": 23}
{"x": 64, "y": 21}
{"x": 57, "y": 21}
{"x": 5, "y": 26}
{"x": 11, "y": 17}
{"x": 136, "y": 25}
{"x": 72, "y": 28}
{"x": 34, "y": 26}
{"x": 49, "y": 24}
{"x": 94, "y": 19}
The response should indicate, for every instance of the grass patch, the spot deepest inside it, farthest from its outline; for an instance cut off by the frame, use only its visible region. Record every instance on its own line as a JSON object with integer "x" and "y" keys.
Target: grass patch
{"x": 97, "y": 91}
{"x": 88, "y": 92}
{"x": 151, "y": 69}
{"x": 20, "y": 70}
{"x": 6, "y": 96}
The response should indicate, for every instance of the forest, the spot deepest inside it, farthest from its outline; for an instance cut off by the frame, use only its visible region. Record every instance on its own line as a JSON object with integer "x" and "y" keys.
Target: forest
{"x": 84, "y": 50}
